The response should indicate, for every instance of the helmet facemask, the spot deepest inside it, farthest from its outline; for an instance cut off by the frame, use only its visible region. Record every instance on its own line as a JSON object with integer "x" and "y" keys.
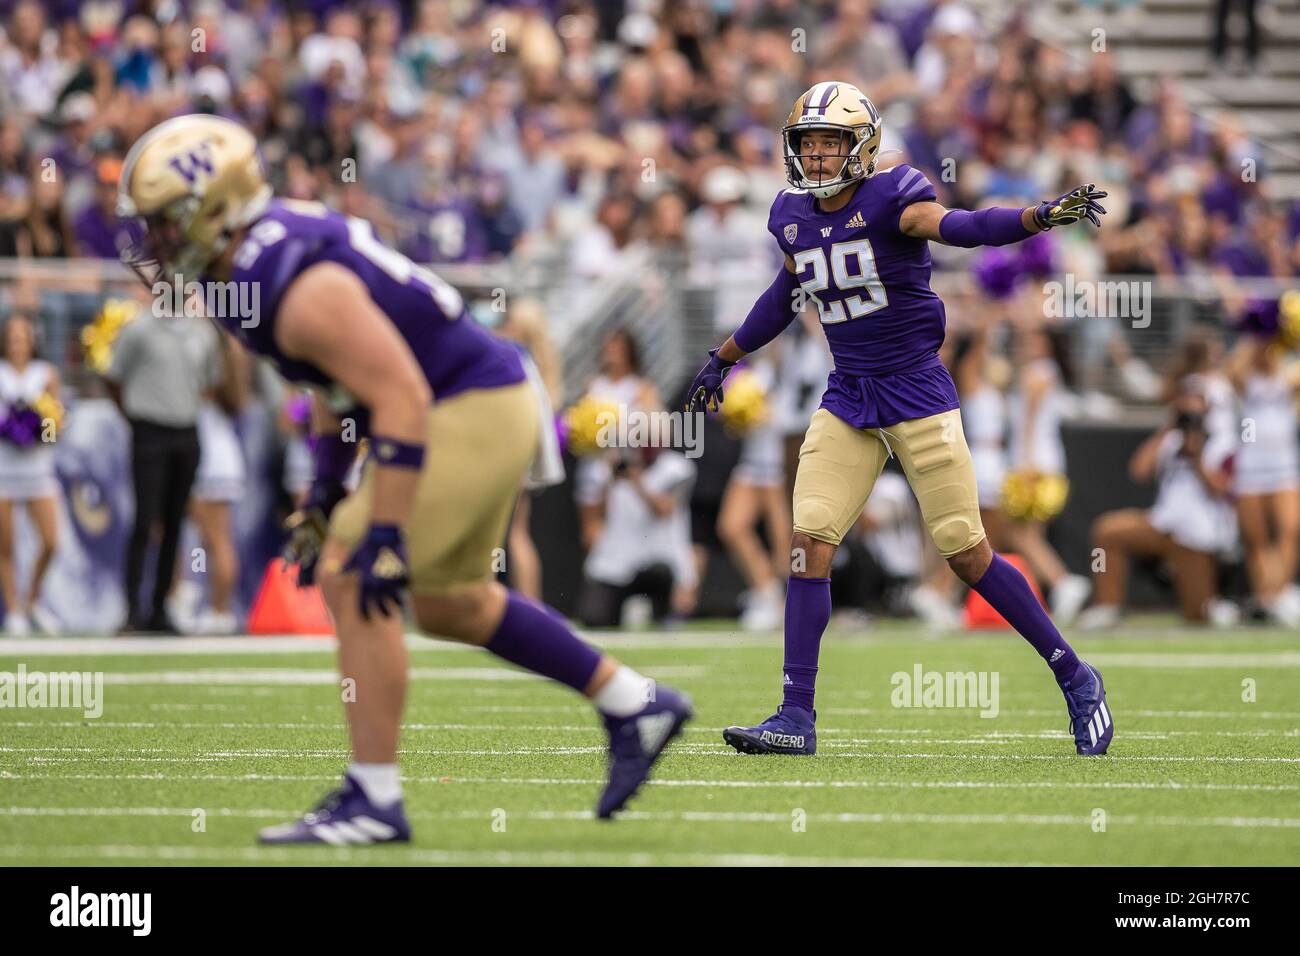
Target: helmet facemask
{"x": 165, "y": 250}
{"x": 855, "y": 167}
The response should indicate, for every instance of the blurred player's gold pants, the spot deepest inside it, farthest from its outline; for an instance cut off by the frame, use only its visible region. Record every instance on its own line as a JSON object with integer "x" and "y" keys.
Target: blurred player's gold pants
{"x": 839, "y": 465}
{"x": 480, "y": 445}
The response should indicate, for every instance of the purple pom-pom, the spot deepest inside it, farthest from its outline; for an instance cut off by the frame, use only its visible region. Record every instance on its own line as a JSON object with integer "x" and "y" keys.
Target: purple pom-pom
{"x": 997, "y": 272}
{"x": 1037, "y": 255}
{"x": 1260, "y": 318}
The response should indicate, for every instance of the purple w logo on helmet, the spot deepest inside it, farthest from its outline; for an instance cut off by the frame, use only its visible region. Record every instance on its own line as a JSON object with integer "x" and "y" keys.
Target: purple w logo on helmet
{"x": 189, "y": 164}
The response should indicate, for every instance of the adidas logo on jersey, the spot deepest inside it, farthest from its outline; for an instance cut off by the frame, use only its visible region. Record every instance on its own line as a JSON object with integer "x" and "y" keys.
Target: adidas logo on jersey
{"x": 857, "y": 222}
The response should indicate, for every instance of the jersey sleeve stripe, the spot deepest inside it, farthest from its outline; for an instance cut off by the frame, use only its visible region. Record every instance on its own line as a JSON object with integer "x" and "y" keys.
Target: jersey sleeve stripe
{"x": 916, "y": 189}
{"x": 909, "y": 179}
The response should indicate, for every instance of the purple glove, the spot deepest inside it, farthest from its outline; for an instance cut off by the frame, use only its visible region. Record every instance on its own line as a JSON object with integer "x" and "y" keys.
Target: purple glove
{"x": 1071, "y": 207}
{"x": 381, "y": 561}
{"x": 706, "y": 390}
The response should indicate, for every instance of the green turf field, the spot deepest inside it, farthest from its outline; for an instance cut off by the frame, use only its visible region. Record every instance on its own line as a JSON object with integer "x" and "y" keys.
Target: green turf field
{"x": 502, "y": 768}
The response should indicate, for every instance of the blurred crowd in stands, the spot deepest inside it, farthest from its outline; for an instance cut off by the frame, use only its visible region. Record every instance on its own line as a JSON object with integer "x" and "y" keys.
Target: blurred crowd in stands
{"x": 597, "y": 133}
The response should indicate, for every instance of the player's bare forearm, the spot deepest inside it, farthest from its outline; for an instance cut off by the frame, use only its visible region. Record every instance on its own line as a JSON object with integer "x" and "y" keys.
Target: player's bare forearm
{"x": 329, "y": 319}
{"x": 731, "y": 351}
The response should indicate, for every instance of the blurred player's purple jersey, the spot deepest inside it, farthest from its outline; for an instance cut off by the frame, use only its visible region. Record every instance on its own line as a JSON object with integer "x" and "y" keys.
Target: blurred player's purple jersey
{"x": 455, "y": 352}
{"x": 871, "y": 286}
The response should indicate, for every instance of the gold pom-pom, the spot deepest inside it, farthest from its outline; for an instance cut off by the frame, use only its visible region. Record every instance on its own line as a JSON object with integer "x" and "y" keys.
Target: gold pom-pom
{"x": 98, "y": 337}
{"x": 744, "y": 405}
{"x": 1030, "y": 496}
{"x": 1288, "y": 318}
{"x": 50, "y": 409}
{"x": 587, "y": 424}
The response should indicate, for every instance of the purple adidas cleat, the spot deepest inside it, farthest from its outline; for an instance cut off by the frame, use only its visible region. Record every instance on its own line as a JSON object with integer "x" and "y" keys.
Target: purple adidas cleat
{"x": 636, "y": 742}
{"x": 346, "y": 817}
{"x": 1090, "y": 720}
{"x": 789, "y": 731}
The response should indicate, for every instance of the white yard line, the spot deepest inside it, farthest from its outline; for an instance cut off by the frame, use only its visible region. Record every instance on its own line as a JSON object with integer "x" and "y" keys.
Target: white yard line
{"x": 670, "y": 782}
{"x": 324, "y": 855}
{"x": 699, "y": 816}
{"x": 649, "y": 640}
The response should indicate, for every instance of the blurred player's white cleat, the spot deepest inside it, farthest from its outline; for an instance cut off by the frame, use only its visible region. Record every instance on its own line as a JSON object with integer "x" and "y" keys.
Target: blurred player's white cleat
{"x": 934, "y": 609}
{"x": 16, "y": 624}
{"x": 212, "y": 622}
{"x": 1099, "y": 617}
{"x": 45, "y": 620}
{"x": 766, "y": 609}
{"x": 1069, "y": 596}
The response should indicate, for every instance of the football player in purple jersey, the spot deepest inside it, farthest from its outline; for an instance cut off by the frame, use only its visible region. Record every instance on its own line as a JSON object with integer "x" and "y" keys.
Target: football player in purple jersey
{"x": 856, "y": 246}
{"x": 453, "y": 422}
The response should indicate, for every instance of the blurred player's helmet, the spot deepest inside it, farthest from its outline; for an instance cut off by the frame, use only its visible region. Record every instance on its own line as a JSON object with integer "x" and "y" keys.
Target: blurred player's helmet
{"x": 835, "y": 106}
{"x": 194, "y": 180}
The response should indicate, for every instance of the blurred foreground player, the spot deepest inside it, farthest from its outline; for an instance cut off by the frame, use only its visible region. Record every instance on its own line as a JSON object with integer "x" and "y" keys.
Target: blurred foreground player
{"x": 855, "y": 245}
{"x": 387, "y": 346}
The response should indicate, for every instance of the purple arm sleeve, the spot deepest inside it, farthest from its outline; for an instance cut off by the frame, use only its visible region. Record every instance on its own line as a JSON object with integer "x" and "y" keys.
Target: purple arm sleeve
{"x": 333, "y": 457}
{"x": 770, "y": 315}
{"x": 997, "y": 226}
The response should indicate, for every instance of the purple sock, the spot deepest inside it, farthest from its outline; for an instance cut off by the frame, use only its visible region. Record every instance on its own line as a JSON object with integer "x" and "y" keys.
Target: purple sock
{"x": 1006, "y": 589}
{"x": 807, "y": 612}
{"x": 538, "y": 641}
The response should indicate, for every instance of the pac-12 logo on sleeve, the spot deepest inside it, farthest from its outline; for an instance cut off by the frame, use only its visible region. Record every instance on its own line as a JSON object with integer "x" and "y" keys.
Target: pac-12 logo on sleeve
{"x": 791, "y": 231}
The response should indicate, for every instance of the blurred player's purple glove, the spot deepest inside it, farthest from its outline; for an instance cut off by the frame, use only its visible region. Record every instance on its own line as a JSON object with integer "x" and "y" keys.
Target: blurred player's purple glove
{"x": 308, "y": 526}
{"x": 380, "y": 560}
{"x": 1071, "y": 207}
{"x": 706, "y": 390}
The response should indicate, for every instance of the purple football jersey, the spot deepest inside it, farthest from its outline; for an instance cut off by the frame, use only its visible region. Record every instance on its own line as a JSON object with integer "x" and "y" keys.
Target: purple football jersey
{"x": 454, "y": 351}
{"x": 871, "y": 286}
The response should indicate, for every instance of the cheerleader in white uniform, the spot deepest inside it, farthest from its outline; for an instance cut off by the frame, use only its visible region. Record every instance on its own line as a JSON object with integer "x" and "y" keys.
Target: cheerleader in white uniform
{"x": 221, "y": 479}
{"x": 620, "y": 381}
{"x": 26, "y": 477}
{"x": 756, "y": 492}
{"x": 1266, "y": 479}
{"x": 1037, "y": 409}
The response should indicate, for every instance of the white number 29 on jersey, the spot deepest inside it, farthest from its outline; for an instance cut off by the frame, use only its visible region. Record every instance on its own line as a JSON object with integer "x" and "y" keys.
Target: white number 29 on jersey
{"x": 862, "y": 275}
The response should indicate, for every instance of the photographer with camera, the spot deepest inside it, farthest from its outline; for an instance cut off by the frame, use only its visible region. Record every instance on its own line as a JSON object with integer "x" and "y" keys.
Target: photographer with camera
{"x": 642, "y": 542}
{"x": 1191, "y": 524}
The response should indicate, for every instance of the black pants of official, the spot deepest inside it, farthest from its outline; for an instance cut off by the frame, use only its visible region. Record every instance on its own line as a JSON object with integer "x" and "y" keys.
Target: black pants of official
{"x": 601, "y": 604}
{"x": 163, "y": 462}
